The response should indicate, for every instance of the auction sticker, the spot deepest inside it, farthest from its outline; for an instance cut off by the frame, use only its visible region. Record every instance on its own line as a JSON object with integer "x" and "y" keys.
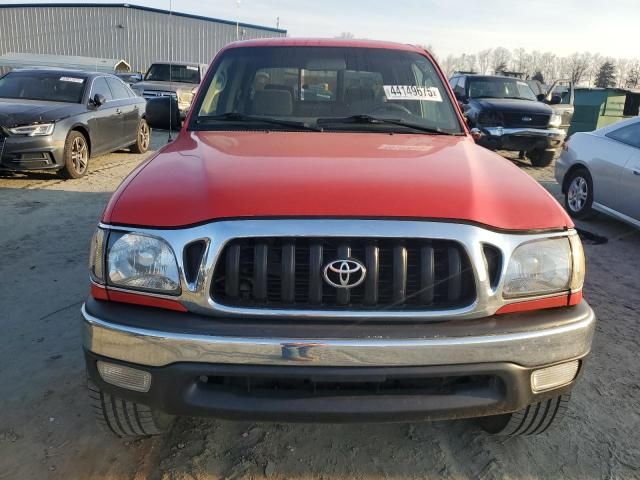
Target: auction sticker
{"x": 412, "y": 92}
{"x": 72, "y": 79}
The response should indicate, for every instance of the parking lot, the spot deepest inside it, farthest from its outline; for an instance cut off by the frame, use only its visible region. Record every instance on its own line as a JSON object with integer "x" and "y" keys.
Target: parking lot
{"x": 47, "y": 428}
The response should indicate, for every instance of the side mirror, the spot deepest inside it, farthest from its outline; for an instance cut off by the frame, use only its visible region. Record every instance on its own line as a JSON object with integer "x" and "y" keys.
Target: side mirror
{"x": 460, "y": 97}
{"x": 162, "y": 113}
{"x": 98, "y": 100}
{"x": 541, "y": 97}
{"x": 555, "y": 100}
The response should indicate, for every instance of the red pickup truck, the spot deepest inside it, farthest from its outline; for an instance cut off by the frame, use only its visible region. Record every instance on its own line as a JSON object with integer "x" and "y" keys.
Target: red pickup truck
{"x": 323, "y": 241}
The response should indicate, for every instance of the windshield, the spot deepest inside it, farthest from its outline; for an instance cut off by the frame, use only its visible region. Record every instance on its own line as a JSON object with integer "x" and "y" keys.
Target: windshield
{"x": 51, "y": 87}
{"x": 498, "y": 87}
{"x": 162, "y": 72}
{"x": 327, "y": 87}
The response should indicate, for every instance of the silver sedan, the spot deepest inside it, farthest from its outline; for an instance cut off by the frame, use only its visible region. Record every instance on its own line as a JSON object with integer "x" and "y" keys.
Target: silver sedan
{"x": 600, "y": 171}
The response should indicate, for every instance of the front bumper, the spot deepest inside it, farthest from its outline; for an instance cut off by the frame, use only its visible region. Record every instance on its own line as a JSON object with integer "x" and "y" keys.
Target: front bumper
{"x": 521, "y": 139}
{"x": 28, "y": 153}
{"x": 196, "y": 361}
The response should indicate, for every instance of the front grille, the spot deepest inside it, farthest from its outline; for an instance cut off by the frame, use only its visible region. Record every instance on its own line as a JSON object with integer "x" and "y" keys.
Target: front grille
{"x": 287, "y": 273}
{"x": 515, "y": 120}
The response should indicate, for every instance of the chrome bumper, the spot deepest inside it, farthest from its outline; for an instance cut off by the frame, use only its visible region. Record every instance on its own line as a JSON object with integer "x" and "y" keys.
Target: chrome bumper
{"x": 156, "y": 348}
{"x": 529, "y": 132}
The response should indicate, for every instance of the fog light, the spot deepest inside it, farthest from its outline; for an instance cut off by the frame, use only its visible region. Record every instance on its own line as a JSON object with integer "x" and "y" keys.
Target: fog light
{"x": 553, "y": 377}
{"x": 125, "y": 377}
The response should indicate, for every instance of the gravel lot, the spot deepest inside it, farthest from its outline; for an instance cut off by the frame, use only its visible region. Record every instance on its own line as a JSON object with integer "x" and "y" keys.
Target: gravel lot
{"x": 47, "y": 429}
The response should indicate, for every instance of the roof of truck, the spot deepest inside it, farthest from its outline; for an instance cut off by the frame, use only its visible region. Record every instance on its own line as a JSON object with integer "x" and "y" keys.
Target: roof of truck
{"x": 324, "y": 42}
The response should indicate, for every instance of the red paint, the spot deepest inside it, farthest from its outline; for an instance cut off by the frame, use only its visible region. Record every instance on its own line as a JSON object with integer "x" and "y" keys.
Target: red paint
{"x": 542, "y": 303}
{"x": 146, "y": 300}
{"x": 99, "y": 292}
{"x": 204, "y": 176}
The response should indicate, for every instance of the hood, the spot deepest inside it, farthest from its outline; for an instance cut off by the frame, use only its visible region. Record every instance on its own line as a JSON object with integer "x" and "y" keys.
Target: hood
{"x": 164, "y": 86}
{"x": 511, "y": 105}
{"x": 18, "y": 112}
{"x": 204, "y": 176}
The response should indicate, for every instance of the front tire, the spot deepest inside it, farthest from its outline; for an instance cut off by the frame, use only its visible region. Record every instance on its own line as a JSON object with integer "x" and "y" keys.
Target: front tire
{"x": 533, "y": 420}
{"x": 143, "y": 139}
{"x": 541, "y": 158}
{"x": 578, "y": 197}
{"x": 126, "y": 419}
{"x": 75, "y": 155}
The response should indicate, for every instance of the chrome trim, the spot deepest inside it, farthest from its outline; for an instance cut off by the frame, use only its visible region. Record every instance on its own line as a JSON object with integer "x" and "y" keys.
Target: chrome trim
{"x": 196, "y": 297}
{"x": 532, "y": 132}
{"x": 156, "y": 348}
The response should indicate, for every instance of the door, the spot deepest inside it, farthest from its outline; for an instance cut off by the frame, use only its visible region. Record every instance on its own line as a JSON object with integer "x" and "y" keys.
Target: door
{"x": 128, "y": 112}
{"x": 628, "y": 202}
{"x": 104, "y": 125}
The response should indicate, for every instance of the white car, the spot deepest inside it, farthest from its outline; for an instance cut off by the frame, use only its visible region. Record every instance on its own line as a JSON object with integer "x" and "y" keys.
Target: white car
{"x": 600, "y": 171}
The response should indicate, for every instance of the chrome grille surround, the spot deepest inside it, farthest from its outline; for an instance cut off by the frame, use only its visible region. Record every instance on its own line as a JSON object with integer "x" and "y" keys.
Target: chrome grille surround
{"x": 195, "y": 295}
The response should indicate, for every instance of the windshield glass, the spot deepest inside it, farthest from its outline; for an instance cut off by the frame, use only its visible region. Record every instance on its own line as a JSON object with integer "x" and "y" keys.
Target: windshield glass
{"x": 498, "y": 87}
{"x": 325, "y": 86}
{"x": 162, "y": 72}
{"x": 51, "y": 87}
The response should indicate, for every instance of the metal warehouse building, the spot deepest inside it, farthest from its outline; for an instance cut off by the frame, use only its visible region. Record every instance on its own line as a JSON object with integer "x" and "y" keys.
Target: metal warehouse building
{"x": 139, "y": 35}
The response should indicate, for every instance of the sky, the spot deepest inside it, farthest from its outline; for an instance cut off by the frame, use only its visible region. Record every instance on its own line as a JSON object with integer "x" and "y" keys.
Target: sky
{"x": 563, "y": 27}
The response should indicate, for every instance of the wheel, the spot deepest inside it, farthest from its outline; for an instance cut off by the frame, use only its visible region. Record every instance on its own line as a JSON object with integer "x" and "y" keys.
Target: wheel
{"x": 144, "y": 138}
{"x": 578, "y": 197}
{"x": 75, "y": 155}
{"x": 533, "y": 420}
{"x": 126, "y": 419}
{"x": 541, "y": 158}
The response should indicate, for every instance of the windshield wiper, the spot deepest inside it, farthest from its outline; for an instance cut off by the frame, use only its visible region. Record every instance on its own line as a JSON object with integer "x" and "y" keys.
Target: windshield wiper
{"x": 368, "y": 119}
{"x": 241, "y": 117}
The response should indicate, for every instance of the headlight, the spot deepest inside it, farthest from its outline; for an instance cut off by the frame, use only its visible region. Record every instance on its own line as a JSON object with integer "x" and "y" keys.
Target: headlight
{"x": 39, "y": 130}
{"x": 141, "y": 262}
{"x": 545, "y": 266}
{"x": 555, "y": 120}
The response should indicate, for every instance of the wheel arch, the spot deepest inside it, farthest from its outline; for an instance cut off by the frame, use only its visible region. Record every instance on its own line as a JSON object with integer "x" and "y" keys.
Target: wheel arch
{"x": 573, "y": 168}
{"x": 84, "y": 130}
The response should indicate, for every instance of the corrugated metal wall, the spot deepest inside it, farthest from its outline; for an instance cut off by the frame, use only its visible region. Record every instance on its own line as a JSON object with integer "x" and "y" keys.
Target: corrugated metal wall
{"x": 136, "y": 35}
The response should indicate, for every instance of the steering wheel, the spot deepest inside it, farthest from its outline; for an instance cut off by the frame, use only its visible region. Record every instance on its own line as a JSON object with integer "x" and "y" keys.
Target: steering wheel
{"x": 391, "y": 107}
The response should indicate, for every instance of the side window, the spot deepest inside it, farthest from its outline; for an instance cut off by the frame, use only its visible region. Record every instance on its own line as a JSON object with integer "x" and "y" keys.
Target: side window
{"x": 100, "y": 86}
{"x": 629, "y": 135}
{"x": 453, "y": 82}
{"x": 118, "y": 89}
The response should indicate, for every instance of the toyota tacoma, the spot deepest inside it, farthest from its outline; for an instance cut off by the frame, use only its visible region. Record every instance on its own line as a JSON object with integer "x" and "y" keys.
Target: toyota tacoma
{"x": 324, "y": 242}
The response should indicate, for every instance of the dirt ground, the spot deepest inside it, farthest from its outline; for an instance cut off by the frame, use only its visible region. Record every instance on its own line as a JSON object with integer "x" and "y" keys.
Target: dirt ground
{"x": 47, "y": 429}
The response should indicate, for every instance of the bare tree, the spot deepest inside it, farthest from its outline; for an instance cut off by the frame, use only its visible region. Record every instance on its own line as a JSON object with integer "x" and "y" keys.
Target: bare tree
{"x": 577, "y": 66}
{"x": 633, "y": 77}
{"x": 622, "y": 69}
{"x": 484, "y": 61}
{"x": 346, "y": 35}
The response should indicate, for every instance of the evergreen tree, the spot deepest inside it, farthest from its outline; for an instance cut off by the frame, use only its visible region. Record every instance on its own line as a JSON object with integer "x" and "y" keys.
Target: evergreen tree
{"x": 606, "y": 76}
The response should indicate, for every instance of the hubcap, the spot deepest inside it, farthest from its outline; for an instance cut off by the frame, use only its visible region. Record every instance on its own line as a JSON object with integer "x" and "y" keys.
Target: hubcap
{"x": 577, "y": 194}
{"x": 79, "y": 155}
{"x": 143, "y": 135}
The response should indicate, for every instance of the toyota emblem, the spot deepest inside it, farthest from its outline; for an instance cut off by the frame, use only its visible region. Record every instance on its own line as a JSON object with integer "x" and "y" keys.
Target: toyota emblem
{"x": 526, "y": 119}
{"x": 346, "y": 273}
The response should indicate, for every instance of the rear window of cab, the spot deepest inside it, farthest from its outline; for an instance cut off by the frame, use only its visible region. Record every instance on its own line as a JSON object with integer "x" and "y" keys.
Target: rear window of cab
{"x": 312, "y": 83}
